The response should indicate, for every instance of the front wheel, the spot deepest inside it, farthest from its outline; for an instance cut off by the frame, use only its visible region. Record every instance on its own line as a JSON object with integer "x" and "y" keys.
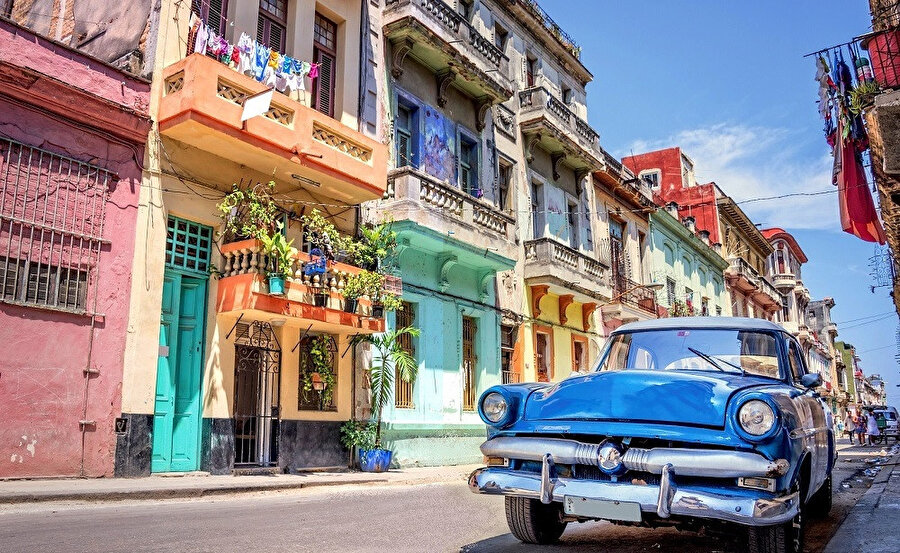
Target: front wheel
{"x": 784, "y": 538}
{"x": 819, "y": 504}
{"x": 534, "y": 522}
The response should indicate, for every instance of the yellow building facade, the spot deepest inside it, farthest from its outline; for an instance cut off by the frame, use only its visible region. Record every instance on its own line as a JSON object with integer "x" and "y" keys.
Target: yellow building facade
{"x": 216, "y": 371}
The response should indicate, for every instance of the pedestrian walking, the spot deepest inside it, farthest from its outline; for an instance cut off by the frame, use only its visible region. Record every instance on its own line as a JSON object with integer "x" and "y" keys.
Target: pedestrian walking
{"x": 860, "y": 426}
{"x": 872, "y": 427}
{"x": 849, "y": 426}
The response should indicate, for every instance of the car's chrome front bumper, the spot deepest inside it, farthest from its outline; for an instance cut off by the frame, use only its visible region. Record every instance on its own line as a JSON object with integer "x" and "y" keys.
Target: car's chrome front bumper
{"x": 664, "y": 499}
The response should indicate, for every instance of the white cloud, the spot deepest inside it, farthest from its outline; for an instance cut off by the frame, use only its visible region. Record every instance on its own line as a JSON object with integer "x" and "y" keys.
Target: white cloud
{"x": 755, "y": 162}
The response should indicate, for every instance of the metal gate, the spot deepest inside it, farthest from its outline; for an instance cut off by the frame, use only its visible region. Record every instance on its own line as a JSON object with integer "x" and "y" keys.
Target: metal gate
{"x": 470, "y": 360}
{"x": 257, "y": 378}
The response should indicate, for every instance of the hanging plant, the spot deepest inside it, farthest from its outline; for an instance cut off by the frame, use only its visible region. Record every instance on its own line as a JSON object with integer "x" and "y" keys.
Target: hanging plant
{"x": 862, "y": 95}
{"x": 248, "y": 213}
{"x": 322, "y": 234}
{"x": 320, "y": 362}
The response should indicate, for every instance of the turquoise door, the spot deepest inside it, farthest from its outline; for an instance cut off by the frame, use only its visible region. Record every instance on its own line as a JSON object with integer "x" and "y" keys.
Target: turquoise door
{"x": 176, "y": 420}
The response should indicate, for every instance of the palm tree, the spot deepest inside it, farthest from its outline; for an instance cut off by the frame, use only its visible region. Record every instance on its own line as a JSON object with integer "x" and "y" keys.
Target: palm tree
{"x": 389, "y": 358}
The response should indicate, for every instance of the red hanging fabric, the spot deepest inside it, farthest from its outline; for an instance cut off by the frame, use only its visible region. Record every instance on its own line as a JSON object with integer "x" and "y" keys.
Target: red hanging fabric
{"x": 858, "y": 215}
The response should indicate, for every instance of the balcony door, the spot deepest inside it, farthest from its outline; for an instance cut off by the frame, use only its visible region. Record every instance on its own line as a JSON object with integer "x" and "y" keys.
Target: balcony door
{"x": 324, "y": 54}
{"x": 177, "y": 407}
{"x": 617, "y": 255}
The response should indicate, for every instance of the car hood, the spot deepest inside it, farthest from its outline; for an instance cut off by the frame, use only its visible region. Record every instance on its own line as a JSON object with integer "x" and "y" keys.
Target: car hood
{"x": 689, "y": 398}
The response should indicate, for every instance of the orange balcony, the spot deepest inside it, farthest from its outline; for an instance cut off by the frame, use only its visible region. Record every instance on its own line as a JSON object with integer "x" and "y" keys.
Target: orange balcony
{"x": 202, "y": 105}
{"x": 243, "y": 289}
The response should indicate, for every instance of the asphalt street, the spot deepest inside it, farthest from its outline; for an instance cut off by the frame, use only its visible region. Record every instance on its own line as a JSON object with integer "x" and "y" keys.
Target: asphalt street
{"x": 419, "y": 518}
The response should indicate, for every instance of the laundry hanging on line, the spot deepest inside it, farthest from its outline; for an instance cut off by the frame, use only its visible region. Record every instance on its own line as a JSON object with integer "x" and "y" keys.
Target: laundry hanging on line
{"x": 279, "y": 71}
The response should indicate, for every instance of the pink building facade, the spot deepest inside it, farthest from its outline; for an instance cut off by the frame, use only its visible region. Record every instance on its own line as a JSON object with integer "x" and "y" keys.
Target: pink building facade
{"x": 72, "y": 135}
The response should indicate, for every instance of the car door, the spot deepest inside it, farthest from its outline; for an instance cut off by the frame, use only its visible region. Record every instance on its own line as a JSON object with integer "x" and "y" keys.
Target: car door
{"x": 815, "y": 430}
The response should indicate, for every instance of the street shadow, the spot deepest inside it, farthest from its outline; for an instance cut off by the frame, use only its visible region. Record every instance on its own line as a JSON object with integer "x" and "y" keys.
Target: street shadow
{"x": 594, "y": 537}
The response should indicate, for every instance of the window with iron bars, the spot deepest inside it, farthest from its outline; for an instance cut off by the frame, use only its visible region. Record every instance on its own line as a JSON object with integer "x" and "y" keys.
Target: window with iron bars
{"x": 52, "y": 210}
{"x": 403, "y": 391}
{"x": 470, "y": 362}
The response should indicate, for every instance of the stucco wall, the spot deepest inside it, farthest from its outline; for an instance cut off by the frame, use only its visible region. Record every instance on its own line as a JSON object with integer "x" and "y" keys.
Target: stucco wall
{"x": 42, "y": 385}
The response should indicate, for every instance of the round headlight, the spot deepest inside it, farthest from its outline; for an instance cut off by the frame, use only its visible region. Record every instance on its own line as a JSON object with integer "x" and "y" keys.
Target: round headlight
{"x": 756, "y": 417}
{"x": 494, "y": 407}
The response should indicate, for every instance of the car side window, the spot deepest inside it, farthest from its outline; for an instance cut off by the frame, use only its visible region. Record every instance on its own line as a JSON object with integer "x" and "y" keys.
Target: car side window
{"x": 795, "y": 361}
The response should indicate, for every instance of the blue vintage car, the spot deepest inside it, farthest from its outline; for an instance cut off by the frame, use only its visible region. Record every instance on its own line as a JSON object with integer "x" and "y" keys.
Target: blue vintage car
{"x": 702, "y": 423}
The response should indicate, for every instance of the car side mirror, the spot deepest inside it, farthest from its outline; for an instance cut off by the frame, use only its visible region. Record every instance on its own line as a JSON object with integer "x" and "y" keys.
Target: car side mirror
{"x": 811, "y": 380}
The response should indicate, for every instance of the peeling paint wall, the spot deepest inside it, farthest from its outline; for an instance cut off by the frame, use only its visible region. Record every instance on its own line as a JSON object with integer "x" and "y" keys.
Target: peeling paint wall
{"x": 42, "y": 379}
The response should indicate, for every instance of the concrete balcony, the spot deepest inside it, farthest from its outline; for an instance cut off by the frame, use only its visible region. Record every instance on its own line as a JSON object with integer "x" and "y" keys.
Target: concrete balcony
{"x": 631, "y": 301}
{"x": 438, "y": 37}
{"x": 784, "y": 281}
{"x": 415, "y": 196}
{"x": 565, "y": 271}
{"x": 832, "y": 329}
{"x": 767, "y": 295}
{"x": 742, "y": 276}
{"x": 202, "y": 105}
{"x": 802, "y": 292}
{"x": 243, "y": 288}
{"x": 547, "y": 122}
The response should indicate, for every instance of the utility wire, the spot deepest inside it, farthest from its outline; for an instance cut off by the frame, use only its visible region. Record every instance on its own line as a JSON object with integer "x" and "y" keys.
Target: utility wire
{"x": 864, "y": 318}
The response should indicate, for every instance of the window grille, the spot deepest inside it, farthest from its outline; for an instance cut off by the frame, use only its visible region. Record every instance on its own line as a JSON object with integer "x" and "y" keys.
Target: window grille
{"x": 470, "y": 361}
{"x": 670, "y": 291}
{"x": 52, "y": 212}
{"x": 403, "y": 391}
{"x": 187, "y": 245}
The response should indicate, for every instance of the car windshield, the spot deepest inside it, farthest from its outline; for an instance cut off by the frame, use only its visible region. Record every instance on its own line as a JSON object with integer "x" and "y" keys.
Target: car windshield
{"x": 718, "y": 350}
{"x": 889, "y": 415}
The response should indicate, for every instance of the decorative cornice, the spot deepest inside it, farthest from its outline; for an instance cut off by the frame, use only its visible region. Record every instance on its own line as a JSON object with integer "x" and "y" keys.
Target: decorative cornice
{"x": 564, "y": 302}
{"x": 445, "y": 263}
{"x": 401, "y": 49}
{"x": 538, "y": 291}
{"x": 444, "y": 79}
{"x": 557, "y": 158}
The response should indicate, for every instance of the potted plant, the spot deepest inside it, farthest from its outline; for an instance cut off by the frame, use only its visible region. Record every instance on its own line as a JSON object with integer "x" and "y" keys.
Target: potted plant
{"x": 357, "y": 436}
{"x": 385, "y": 301}
{"x": 389, "y": 358}
{"x": 322, "y": 234}
{"x": 363, "y": 283}
{"x": 281, "y": 256}
{"x": 248, "y": 213}
{"x": 320, "y": 377}
{"x": 375, "y": 244}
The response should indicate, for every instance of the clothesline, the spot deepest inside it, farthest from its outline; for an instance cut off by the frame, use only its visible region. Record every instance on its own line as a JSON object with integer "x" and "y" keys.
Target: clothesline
{"x": 279, "y": 71}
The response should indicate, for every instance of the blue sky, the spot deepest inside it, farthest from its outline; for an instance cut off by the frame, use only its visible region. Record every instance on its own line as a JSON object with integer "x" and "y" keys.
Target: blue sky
{"x": 728, "y": 82}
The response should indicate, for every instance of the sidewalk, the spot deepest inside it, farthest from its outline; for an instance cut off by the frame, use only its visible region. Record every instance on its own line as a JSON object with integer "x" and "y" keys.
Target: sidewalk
{"x": 200, "y": 485}
{"x": 871, "y": 525}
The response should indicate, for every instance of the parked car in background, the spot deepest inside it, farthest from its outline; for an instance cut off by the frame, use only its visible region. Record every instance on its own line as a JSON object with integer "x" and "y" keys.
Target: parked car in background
{"x": 701, "y": 423}
{"x": 887, "y": 422}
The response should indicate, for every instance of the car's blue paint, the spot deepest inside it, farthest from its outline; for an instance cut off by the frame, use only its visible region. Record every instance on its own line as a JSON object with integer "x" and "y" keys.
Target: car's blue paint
{"x": 687, "y": 397}
{"x": 683, "y": 407}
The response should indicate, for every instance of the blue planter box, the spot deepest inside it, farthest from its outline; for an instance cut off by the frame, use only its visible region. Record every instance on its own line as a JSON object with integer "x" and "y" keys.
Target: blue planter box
{"x": 276, "y": 285}
{"x": 375, "y": 460}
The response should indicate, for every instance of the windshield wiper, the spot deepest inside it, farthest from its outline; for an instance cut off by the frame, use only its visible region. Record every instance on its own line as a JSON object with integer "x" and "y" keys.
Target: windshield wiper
{"x": 738, "y": 367}
{"x": 708, "y": 358}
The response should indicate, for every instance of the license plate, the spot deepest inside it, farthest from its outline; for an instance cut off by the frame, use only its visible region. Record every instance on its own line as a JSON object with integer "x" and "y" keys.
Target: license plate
{"x": 602, "y": 508}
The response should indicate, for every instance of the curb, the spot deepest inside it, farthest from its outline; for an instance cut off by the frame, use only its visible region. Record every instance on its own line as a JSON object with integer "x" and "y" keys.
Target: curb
{"x": 182, "y": 493}
{"x": 842, "y": 541}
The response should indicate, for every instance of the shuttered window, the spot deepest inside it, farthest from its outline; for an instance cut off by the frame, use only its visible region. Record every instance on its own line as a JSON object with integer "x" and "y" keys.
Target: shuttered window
{"x": 324, "y": 54}
{"x": 213, "y": 12}
{"x": 404, "y": 135}
{"x": 271, "y": 28}
{"x": 468, "y": 166}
